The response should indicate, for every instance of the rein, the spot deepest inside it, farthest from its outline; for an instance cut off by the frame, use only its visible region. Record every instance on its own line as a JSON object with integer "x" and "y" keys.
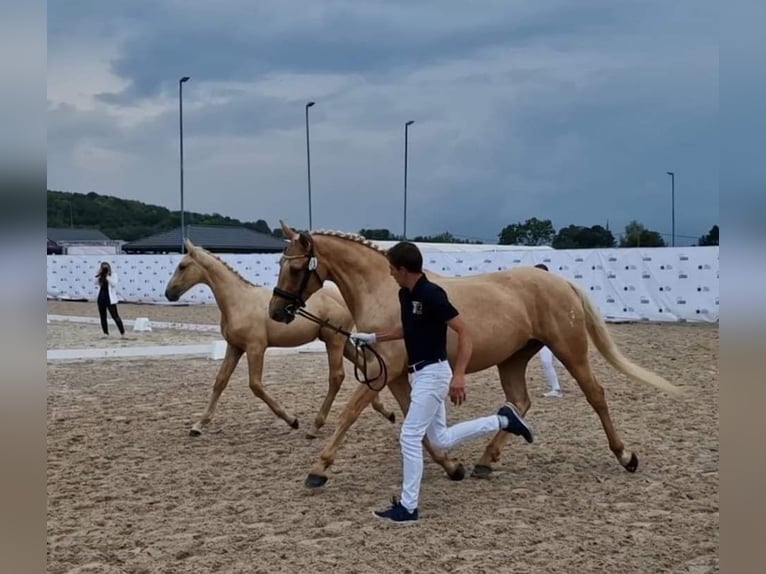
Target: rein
{"x": 297, "y": 306}
{"x": 358, "y": 346}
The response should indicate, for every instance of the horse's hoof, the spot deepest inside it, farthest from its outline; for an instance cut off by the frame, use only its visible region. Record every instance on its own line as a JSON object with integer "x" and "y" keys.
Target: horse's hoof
{"x": 195, "y": 432}
{"x": 632, "y": 463}
{"x": 481, "y": 471}
{"x": 458, "y": 474}
{"x": 294, "y": 424}
{"x": 392, "y": 417}
{"x": 315, "y": 481}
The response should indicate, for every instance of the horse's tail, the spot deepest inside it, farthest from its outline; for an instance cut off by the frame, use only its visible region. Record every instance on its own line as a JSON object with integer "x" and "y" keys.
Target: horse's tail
{"x": 605, "y": 344}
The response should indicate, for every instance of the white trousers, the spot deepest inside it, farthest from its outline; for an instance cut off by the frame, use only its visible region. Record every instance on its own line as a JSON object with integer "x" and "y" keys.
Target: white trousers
{"x": 427, "y": 416}
{"x": 546, "y": 358}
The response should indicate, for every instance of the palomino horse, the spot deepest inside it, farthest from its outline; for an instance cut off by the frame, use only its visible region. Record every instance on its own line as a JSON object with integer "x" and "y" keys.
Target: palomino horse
{"x": 511, "y": 314}
{"x": 246, "y": 326}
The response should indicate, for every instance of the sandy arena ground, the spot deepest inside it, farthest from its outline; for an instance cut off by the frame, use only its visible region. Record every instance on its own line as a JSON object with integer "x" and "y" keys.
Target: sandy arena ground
{"x": 129, "y": 491}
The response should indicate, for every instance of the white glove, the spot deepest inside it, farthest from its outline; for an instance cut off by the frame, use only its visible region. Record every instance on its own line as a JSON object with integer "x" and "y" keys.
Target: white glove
{"x": 366, "y": 338}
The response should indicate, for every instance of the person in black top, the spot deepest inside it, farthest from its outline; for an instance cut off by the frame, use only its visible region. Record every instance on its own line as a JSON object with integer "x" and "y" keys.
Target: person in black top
{"x": 426, "y": 312}
{"x": 107, "y": 298}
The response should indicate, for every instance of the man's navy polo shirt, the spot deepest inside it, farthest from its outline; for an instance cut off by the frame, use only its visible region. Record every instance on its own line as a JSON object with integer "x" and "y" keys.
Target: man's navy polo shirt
{"x": 425, "y": 311}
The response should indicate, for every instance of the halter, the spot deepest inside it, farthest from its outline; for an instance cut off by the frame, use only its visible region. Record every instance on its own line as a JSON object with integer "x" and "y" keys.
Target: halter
{"x": 296, "y": 306}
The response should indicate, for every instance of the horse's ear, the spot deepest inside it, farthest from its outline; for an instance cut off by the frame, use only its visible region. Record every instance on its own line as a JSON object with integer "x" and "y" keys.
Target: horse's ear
{"x": 286, "y": 231}
{"x": 304, "y": 240}
{"x": 191, "y": 249}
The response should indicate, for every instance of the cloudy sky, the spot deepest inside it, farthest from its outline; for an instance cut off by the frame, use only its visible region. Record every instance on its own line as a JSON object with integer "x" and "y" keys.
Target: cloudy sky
{"x": 571, "y": 111}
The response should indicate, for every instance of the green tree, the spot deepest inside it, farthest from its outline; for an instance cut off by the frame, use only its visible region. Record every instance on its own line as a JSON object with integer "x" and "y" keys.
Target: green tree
{"x": 636, "y": 235}
{"x": 260, "y": 226}
{"x": 532, "y": 232}
{"x": 579, "y": 237}
{"x": 126, "y": 219}
{"x": 711, "y": 238}
{"x": 378, "y": 234}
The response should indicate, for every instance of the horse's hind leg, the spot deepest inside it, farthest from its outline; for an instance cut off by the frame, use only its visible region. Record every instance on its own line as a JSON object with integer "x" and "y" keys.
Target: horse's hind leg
{"x": 578, "y": 366}
{"x": 221, "y": 380}
{"x": 513, "y": 379}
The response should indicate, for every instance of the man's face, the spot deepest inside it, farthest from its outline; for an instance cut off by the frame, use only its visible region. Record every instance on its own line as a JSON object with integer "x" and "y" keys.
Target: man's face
{"x": 398, "y": 273}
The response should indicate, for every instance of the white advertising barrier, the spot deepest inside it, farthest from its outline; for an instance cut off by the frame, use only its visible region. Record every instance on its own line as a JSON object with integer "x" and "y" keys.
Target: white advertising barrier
{"x": 654, "y": 284}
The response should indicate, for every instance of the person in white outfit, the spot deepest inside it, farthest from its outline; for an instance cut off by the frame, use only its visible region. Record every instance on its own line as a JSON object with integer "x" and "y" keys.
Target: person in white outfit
{"x": 107, "y": 297}
{"x": 546, "y": 358}
{"x": 426, "y": 312}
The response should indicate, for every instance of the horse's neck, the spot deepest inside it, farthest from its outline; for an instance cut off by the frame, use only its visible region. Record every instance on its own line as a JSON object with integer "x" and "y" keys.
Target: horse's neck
{"x": 364, "y": 281}
{"x": 227, "y": 288}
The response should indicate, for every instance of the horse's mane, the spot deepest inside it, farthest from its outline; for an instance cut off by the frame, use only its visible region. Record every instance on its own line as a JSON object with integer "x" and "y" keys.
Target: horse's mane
{"x": 229, "y": 267}
{"x": 351, "y": 237}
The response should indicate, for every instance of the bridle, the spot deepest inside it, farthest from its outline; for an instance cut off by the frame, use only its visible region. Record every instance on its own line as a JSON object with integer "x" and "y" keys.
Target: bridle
{"x": 296, "y": 305}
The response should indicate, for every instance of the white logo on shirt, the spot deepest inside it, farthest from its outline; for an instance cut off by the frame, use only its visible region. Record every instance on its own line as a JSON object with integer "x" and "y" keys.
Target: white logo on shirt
{"x": 417, "y": 308}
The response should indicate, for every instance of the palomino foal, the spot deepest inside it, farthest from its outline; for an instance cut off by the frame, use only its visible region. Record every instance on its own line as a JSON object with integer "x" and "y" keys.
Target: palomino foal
{"x": 246, "y": 327}
{"x": 511, "y": 314}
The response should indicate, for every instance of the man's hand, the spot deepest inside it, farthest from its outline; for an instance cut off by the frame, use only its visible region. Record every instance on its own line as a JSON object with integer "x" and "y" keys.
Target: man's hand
{"x": 457, "y": 389}
{"x": 366, "y": 338}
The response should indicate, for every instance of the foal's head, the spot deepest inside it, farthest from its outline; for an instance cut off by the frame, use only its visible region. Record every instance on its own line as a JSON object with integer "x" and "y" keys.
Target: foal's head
{"x": 188, "y": 273}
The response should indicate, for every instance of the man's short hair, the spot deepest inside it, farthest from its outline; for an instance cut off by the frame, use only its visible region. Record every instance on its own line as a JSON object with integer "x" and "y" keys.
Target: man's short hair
{"x": 542, "y": 266}
{"x": 406, "y": 255}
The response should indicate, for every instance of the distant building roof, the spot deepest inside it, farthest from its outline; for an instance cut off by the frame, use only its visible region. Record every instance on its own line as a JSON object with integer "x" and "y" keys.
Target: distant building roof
{"x": 75, "y": 235}
{"x": 217, "y": 238}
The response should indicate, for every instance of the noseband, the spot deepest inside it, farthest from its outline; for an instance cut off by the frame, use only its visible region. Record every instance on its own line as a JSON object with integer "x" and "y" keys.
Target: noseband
{"x": 296, "y": 300}
{"x": 296, "y": 306}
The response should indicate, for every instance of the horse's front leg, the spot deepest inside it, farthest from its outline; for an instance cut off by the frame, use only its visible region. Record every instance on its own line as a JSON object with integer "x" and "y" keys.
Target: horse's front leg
{"x": 228, "y": 365}
{"x": 362, "y": 397}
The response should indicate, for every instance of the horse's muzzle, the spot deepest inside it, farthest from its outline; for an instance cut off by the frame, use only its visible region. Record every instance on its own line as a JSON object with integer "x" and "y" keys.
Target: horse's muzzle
{"x": 171, "y": 295}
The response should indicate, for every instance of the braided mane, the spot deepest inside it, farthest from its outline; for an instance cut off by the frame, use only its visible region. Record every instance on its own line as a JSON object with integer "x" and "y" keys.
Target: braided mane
{"x": 351, "y": 237}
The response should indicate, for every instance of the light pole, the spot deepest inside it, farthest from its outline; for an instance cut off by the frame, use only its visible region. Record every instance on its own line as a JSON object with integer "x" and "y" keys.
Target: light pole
{"x": 308, "y": 159}
{"x": 673, "y": 205}
{"x": 406, "y": 137}
{"x": 181, "y": 138}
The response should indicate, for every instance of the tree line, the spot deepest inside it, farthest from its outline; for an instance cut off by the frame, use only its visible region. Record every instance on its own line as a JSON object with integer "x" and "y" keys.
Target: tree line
{"x": 130, "y": 220}
{"x": 535, "y": 231}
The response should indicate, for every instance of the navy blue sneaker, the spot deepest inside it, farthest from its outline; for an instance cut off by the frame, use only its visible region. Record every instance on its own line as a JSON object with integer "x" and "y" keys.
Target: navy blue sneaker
{"x": 397, "y": 513}
{"x": 516, "y": 424}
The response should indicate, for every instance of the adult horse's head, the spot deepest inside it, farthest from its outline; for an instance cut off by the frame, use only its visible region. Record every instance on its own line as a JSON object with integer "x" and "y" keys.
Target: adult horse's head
{"x": 299, "y": 276}
{"x": 188, "y": 273}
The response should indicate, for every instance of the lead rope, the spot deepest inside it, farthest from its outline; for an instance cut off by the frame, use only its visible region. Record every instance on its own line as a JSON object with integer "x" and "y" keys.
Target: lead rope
{"x": 358, "y": 347}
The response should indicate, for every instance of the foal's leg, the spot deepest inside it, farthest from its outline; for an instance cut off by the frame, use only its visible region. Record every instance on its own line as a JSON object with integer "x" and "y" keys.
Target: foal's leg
{"x": 513, "y": 379}
{"x": 336, "y": 376}
{"x": 576, "y": 362}
{"x": 349, "y": 351}
{"x": 225, "y": 371}
{"x": 255, "y": 362}
{"x": 400, "y": 388}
